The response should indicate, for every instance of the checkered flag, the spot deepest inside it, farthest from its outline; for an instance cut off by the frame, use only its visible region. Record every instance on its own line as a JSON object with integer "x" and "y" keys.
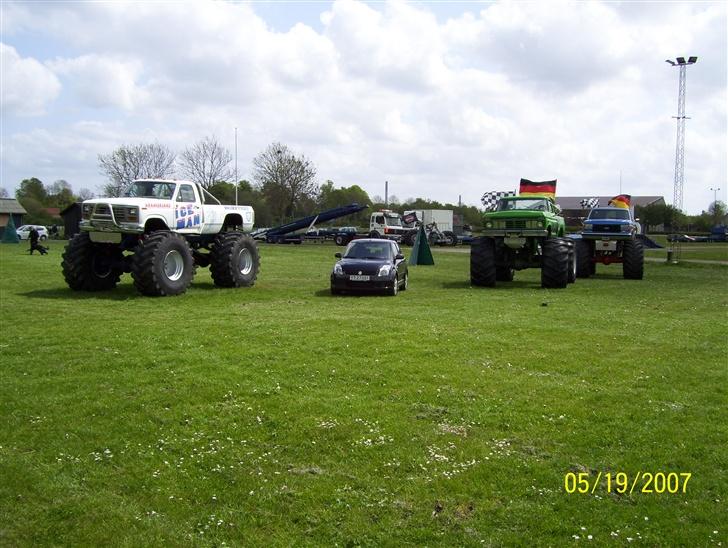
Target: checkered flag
{"x": 589, "y": 203}
{"x": 490, "y": 199}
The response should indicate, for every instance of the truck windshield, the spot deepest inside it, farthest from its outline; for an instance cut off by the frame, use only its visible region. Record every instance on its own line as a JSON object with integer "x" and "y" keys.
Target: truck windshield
{"x": 150, "y": 189}
{"x": 538, "y": 204}
{"x": 393, "y": 220}
{"x": 619, "y": 213}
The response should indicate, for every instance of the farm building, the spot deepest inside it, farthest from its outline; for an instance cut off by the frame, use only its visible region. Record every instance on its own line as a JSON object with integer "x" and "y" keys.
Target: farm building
{"x": 573, "y": 210}
{"x": 71, "y": 219}
{"x": 8, "y": 207}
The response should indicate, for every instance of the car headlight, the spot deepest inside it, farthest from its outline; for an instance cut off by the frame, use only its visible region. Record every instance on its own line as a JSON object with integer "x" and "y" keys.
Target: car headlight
{"x": 384, "y": 270}
{"x": 132, "y": 214}
{"x": 534, "y": 224}
{"x": 588, "y": 226}
{"x": 338, "y": 271}
{"x": 489, "y": 224}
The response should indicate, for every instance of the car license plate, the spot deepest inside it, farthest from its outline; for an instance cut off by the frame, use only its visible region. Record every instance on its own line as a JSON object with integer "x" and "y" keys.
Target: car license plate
{"x": 356, "y": 278}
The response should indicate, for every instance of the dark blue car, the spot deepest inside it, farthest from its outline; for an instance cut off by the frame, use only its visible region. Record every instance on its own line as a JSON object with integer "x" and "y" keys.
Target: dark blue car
{"x": 370, "y": 265}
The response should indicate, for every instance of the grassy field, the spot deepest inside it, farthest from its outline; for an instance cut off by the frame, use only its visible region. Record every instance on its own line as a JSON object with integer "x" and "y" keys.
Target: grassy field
{"x": 703, "y": 251}
{"x": 279, "y": 415}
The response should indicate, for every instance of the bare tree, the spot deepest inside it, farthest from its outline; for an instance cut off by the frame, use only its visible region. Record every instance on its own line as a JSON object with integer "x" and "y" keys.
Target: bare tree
{"x": 85, "y": 194}
{"x": 129, "y": 162}
{"x": 207, "y": 162}
{"x": 3, "y": 192}
{"x": 284, "y": 179}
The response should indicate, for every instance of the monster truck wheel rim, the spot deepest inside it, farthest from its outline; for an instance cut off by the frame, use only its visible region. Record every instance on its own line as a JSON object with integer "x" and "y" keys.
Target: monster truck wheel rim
{"x": 245, "y": 262}
{"x": 174, "y": 265}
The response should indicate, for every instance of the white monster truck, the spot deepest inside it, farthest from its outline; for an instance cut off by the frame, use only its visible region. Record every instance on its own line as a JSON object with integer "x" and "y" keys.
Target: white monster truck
{"x": 157, "y": 231}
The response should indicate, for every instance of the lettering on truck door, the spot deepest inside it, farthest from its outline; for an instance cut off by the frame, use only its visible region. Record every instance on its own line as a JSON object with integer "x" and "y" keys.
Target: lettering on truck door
{"x": 187, "y": 210}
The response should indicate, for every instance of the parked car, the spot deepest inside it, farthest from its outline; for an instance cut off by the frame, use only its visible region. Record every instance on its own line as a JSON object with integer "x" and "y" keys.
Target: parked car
{"x": 24, "y": 232}
{"x": 370, "y": 265}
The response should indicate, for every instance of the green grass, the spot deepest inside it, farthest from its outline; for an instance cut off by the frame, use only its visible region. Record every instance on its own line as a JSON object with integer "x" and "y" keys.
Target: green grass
{"x": 279, "y": 415}
{"x": 704, "y": 251}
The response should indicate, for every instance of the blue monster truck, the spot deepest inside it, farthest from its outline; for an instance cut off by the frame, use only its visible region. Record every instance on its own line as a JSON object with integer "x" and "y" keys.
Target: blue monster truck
{"x": 610, "y": 235}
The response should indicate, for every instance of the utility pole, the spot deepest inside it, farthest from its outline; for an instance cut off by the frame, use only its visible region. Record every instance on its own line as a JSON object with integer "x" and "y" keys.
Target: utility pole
{"x": 677, "y": 201}
{"x": 386, "y": 193}
{"x": 236, "y": 166}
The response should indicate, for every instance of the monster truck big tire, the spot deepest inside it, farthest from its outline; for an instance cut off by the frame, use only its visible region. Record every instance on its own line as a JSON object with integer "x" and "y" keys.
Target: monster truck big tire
{"x": 91, "y": 267}
{"x": 572, "y": 261}
{"x": 555, "y": 263}
{"x": 482, "y": 262}
{"x": 234, "y": 260}
{"x": 633, "y": 257}
{"x": 451, "y": 238}
{"x": 409, "y": 238}
{"x": 583, "y": 259}
{"x": 162, "y": 265}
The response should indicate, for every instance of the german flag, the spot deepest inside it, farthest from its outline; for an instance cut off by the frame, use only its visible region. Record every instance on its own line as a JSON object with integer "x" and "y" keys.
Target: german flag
{"x": 547, "y": 189}
{"x": 623, "y": 200}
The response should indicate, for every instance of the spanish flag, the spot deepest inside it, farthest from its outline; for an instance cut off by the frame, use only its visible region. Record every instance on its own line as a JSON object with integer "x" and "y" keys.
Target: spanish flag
{"x": 547, "y": 189}
{"x": 623, "y": 200}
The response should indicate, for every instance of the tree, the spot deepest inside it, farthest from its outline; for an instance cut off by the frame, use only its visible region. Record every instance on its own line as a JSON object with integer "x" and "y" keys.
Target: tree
{"x": 32, "y": 188}
{"x": 717, "y": 211}
{"x": 286, "y": 181}
{"x": 60, "y": 194}
{"x": 330, "y": 197}
{"x": 85, "y": 194}
{"x": 129, "y": 162}
{"x": 207, "y": 162}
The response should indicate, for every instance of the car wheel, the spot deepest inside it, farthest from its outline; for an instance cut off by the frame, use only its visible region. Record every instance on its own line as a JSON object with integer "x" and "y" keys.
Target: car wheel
{"x": 43, "y": 238}
{"x": 392, "y": 291}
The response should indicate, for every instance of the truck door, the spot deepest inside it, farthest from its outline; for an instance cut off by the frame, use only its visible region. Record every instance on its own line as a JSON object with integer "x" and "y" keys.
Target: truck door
{"x": 377, "y": 222}
{"x": 188, "y": 211}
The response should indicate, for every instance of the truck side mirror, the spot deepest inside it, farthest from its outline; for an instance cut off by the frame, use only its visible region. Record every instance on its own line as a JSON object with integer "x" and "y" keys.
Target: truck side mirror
{"x": 399, "y": 256}
{"x": 337, "y": 255}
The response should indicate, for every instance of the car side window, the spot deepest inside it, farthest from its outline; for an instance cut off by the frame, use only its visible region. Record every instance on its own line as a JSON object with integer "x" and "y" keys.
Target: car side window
{"x": 379, "y": 219}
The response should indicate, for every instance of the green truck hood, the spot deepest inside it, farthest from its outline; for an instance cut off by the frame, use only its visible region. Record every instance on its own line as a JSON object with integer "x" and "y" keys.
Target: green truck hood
{"x": 518, "y": 214}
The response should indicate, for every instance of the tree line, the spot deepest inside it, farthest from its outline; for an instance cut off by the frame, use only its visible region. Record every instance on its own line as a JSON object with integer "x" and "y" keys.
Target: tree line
{"x": 283, "y": 188}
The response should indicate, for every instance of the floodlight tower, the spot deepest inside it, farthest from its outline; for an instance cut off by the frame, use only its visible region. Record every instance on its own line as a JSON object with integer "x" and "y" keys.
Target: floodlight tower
{"x": 677, "y": 201}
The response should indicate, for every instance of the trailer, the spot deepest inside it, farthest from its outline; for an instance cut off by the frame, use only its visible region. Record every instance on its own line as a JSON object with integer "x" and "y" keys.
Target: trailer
{"x": 283, "y": 234}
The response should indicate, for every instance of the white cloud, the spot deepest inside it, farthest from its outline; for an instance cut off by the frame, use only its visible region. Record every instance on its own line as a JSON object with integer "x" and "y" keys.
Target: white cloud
{"x": 577, "y": 91}
{"x": 102, "y": 81}
{"x": 27, "y": 86}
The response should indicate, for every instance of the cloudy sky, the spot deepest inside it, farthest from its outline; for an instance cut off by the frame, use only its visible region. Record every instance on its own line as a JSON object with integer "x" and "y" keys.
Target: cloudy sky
{"x": 442, "y": 99}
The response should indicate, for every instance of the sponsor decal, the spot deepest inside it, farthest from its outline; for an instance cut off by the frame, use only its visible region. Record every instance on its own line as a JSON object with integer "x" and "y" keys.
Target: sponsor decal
{"x": 186, "y": 216}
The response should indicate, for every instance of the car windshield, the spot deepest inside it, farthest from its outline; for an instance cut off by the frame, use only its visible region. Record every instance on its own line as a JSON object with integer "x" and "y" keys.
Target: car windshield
{"x": 369, "y": 250}
{"x": 609, "y": 214}
{"x": 538, "y": 204}
{"x": 150, "y": 189}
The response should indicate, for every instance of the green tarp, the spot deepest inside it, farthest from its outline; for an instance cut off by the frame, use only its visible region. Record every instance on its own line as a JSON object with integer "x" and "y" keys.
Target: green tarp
{"x": 10, "y": 236}
{"x": 421, "y": 252}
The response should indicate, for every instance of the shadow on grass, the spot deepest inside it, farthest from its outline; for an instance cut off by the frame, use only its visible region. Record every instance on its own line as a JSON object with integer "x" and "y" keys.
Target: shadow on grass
{"x": 121, "y": 294}
{"x": 327, "y": 293}
{"x": 465, "y": 284}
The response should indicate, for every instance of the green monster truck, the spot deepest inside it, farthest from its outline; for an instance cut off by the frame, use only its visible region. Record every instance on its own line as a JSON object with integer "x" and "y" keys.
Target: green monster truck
{"x": 523, "y": 232}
